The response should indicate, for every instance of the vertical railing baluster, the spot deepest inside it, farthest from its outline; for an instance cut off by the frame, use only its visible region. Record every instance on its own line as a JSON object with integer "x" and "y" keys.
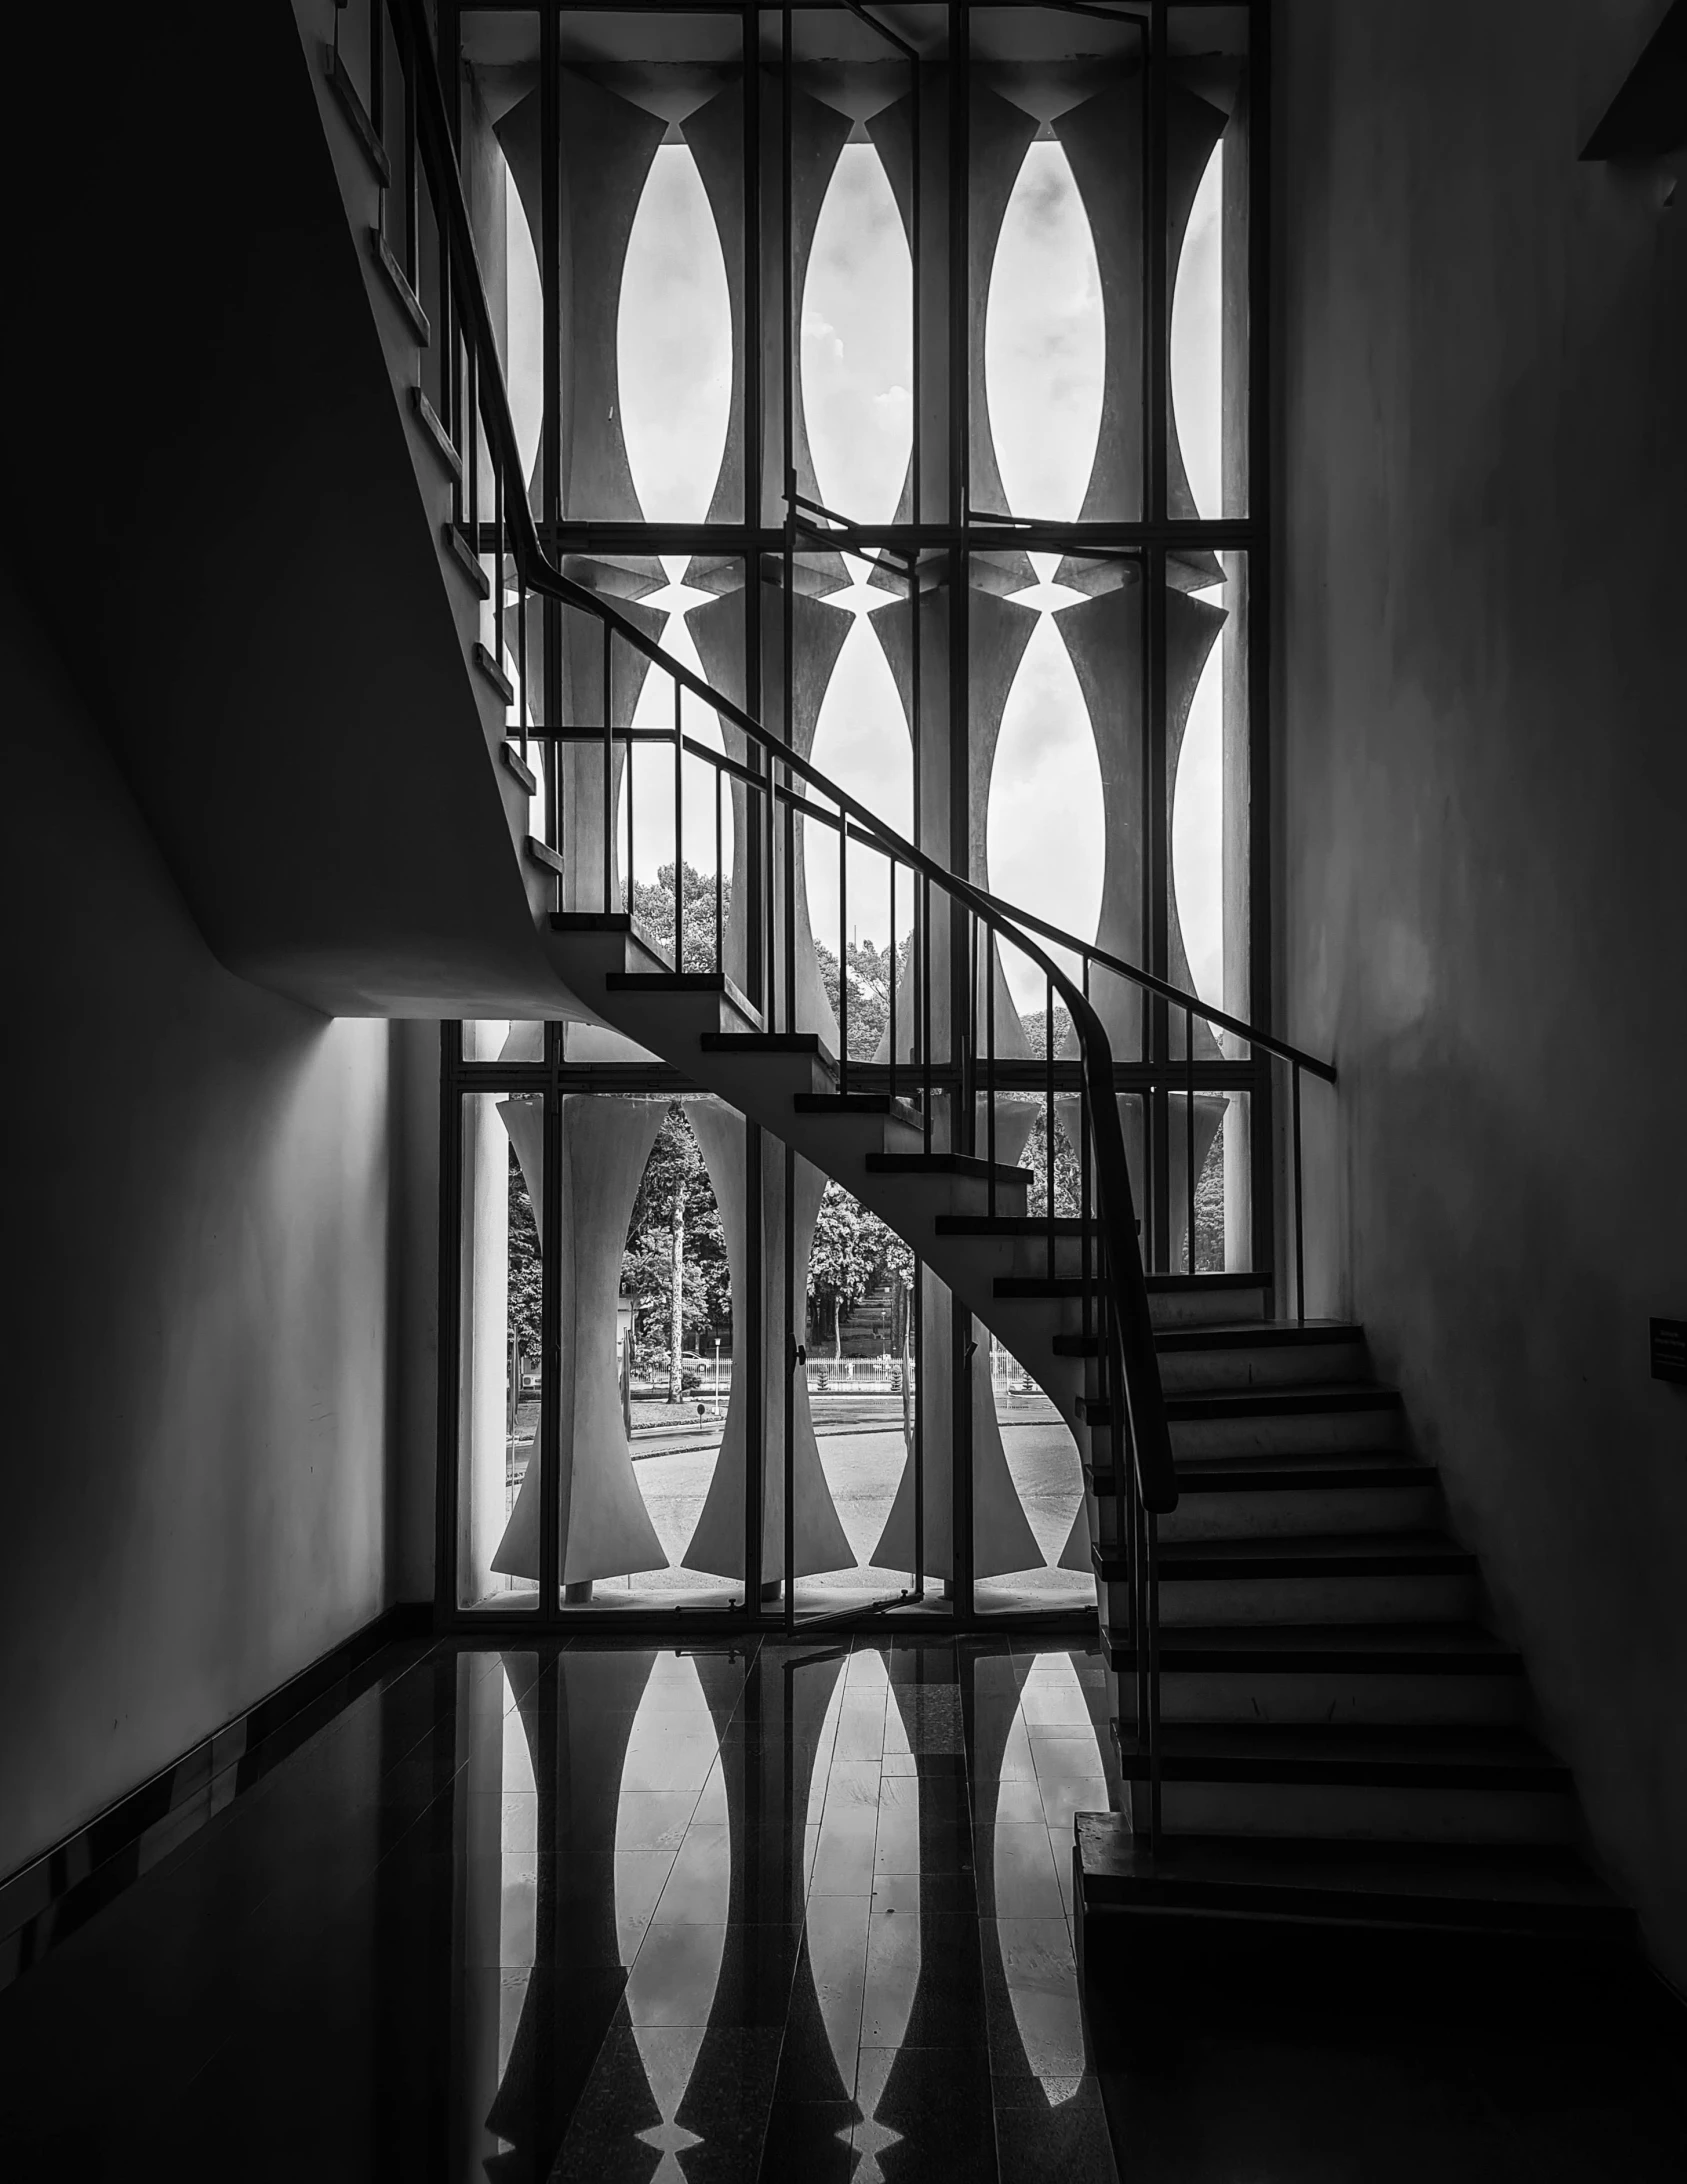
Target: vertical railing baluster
{"x": 608, "y": 775}
{"x": 1153, "y": 1633}
{"x": 497, "y": 645}
{"x": 843, "y": 953}
{"x": 925, "y": 1003}
{"x": 679, "y": 832}
{"x": 1048, "y": 1121}
{"x": 522, "y": 707}
{"x": 789, "y": 921}
{"x": 720, "y": 881}
{"x": 1084, "y": 1120}
{"x": 890, "y": 868}
{"x": 967, "y": 1119}
{"x": 630, "y": 875}
{"x": 1300, "y": 1229}
{"x": 990, "y": 1069}
{"x": 1189, "y": 1124}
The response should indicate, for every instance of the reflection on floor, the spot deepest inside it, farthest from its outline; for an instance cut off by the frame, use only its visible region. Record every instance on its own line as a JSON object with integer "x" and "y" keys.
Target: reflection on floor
{"x": 603, "y": 1911}
{"x": 597, "y": 1910}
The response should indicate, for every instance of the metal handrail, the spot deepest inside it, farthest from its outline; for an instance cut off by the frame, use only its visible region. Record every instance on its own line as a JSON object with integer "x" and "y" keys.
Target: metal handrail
{"x": 1150, "y": 1436}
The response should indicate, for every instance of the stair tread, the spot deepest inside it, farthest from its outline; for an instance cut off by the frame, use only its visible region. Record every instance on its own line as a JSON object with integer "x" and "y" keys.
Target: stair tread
{"x": 1259, "y": 1334}
{"x": 1486, "y": 1884}
{"x": 769, "y": 1042}
{"x": 965, "y": 1164}
{"x": 1331, "y": 1646}
{"x": 1321, "y": 1553}
{"x": 858, "y": 1103}
{"x": 1277, "y": 1402}
{"x": 1221, "y": 1751}
{"x": 1010, "y": 1224}
{"x": 1263, "y": 1473}
{"x": 1303, "y": 1470}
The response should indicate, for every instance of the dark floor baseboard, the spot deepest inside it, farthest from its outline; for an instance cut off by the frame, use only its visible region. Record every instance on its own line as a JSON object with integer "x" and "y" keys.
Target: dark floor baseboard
{"x": 46, "y": 1900}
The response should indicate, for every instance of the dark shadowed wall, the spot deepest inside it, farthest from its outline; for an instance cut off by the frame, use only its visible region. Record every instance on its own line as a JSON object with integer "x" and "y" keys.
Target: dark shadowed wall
{"x": 1482, "y": 811}
{"x": 208, "y": 1271}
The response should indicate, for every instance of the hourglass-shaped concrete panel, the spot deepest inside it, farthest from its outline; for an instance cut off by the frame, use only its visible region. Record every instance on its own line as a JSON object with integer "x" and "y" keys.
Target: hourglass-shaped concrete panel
{"x": 999, "y": 136}
{"x": 581, "y": 764}
{"x": 607, "y": 145}
{"x": 715, "y": 133}
{"x": 1104, "y": 637}
{"x": 818, "y": 634}
{"x": 1102, "y": 139}
{"x": 604, "y": 1526}
{"x": 717, "y": 1545}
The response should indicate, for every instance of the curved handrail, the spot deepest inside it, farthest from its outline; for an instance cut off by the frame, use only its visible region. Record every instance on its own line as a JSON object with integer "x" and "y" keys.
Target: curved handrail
{"x": 1150, "y": 1435}
{"x": 1191, "y": 1003}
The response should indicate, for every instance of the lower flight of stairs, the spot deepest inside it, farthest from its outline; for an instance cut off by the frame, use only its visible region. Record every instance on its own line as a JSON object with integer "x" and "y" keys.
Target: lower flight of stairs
{"x": 1346, "y": 1749}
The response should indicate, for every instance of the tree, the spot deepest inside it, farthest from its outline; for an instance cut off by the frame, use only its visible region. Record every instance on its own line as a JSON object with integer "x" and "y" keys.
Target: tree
{"x": 526, "y": 1271}
{"x": 848, "y": 1259}
{"x": 869, "y": 991}
{"x": 675, "y": 1265}
{"x": 653, "y": 915}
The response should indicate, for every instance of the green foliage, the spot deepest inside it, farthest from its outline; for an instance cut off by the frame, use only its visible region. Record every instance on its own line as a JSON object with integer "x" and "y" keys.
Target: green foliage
{"x": 869, "y": 992}
{"x": 525, "y": 1265}
{"x": 854, "y": 1254}
{"x": 653, "y": 915}
{"x": 675, "y": 1169}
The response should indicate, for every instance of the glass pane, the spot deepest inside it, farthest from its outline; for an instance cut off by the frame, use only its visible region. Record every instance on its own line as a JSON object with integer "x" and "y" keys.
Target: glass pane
{"x": 1055, "y": 265}
{"x": 653, "y": 1431}
{"x": 499, "y": 1382}
{"x": 853, "y": 1424}
{"x": 1056, "y": 701}
{"x": 495, "y": 1039}
{"x": 1222, "y": 1166}
{"x": 1207, "y": 788}
{"x": 1207, "y": 150}
{"x": 1030, "y": 1546}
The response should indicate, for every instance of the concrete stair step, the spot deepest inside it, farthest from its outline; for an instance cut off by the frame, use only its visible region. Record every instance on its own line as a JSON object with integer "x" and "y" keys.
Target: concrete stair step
{"x": 1339, "y": 1577}
{"x": 1218, "y": 1360}
{"x": 1279, "y": 1420}
{"x": 1399, "y": 1782}
{"x": 1446, "y": 1674}
{"x": 1460, "y": 1886}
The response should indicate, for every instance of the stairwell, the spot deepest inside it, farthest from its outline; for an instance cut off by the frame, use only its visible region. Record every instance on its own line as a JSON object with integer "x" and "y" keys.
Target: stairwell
{"x": 1322, "y": 1737}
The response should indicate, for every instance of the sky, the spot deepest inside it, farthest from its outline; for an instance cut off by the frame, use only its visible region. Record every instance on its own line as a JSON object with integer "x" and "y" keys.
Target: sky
{"x": 1044, "y": 363}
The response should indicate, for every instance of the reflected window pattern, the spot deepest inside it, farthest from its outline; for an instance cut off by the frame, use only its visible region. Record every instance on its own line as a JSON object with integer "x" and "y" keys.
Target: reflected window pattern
{"x": 752, "y": 1908}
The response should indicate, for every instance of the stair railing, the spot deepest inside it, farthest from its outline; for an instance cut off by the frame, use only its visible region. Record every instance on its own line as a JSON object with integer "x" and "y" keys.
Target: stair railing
{"x": 938, "y": 1064}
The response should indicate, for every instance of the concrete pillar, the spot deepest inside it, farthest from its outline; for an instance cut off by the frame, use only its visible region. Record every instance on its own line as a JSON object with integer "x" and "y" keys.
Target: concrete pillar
{"x": 605, "y": 1529}
{"x": 717, "y": 1545}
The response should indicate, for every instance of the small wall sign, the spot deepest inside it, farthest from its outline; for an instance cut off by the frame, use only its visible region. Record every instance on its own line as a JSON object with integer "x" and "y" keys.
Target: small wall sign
{"x": 1669, "y": 1350}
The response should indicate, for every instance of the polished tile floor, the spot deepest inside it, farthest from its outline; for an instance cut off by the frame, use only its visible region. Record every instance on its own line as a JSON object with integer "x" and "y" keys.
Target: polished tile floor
{"x": 605, "y": 1911}
{"x": 610, "y": 1911}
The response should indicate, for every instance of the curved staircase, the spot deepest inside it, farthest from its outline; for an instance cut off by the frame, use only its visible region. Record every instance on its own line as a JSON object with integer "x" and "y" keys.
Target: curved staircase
{"x": 1318, "y": 1732}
